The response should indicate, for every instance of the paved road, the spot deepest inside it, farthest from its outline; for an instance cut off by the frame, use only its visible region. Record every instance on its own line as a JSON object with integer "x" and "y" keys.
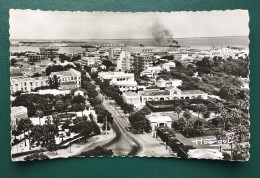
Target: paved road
{"x": 124, "y": 144}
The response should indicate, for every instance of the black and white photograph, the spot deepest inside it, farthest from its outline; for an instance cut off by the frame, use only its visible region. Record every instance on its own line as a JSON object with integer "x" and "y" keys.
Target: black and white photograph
{"x": 124, "y": 84}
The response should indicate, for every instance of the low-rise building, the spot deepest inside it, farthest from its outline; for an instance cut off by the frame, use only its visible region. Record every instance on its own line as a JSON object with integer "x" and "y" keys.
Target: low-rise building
{"x": 27, "y": 84}
{"x": 170, "y": 93}
{"x": 163, "y": 83}
{"x": 90, "y": 61}
{"x": 151, "y": 71}
{"x": 167, "y": 66}
{"x": 67, "y": 79}
{"x": 159, "y": 121}
{"x": 131, "y": 98}
{"x": 17, "y": 113}
{"x": 125, "y": 81}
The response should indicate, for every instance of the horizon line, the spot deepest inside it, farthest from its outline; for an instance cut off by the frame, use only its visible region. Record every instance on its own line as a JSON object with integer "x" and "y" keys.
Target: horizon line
{"x": 127, "y": 38}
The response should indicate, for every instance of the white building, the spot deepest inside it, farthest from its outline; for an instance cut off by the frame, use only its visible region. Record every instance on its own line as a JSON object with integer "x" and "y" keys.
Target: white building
{"x": 158, "y": 121}
{"x": 67, "y": 79}
{"x": 167, "y": 66}
{"x": 90, "y": 61}
{"x": 125, "y": 81}
{"x": 163, "y": 83}
{"x": 27, "y": 84}
{"x": 170, "y": 93}
{"x": 131, "y": 98}
{"x": 124, "y": 62}
{"x": 17, "y": 113}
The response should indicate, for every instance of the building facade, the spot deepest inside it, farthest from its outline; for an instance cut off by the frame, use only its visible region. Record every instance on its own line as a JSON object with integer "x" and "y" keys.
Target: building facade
{"x": 167, "y": 66}
{"x": 124, "y": 81}
{"x": 27, "y": 84}
{"x": 17, "y": 113}
{"x": 163, "y": 83}
{"x": 124, "y": 62}
{"x": 131, "y": 98}
{"x": 170, "y": 93}
{"x": 50, "y": 52}
{"x": 67, "y": 80}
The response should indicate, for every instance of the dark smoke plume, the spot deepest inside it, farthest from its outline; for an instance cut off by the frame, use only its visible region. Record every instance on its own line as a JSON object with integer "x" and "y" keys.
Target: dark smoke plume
{"x": 161, "y": 34}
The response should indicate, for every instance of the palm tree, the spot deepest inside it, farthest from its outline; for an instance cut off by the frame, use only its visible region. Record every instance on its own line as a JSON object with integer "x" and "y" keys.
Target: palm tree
{"x": 220, "y": 107}
{"x": 201, "y": 108}
{"x": 48, "y": 120}
{"x": 24, "y": 125}
{"x": 220, "y": 135}
{"x": 39, "y": 113}
{"x": 187, "y": 116}
{"x": 82, "y": 107}
{"x": 55, "y": 119}
{"x": 224, "y": 117}
{"x": 178, "y": 110}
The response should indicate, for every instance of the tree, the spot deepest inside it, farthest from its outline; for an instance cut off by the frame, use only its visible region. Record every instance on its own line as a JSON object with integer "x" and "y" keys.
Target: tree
{"x": 43, "y": 135}
{"x": 59, "y": 105}
{"x": 220, "y": 107}
{"x": 36, "y": 156}
{"x": 139, "y": 122}
{"x": 25, "y": 125}
{"x": 48, "y": 120}
{"x": 54, "y": 82}
{"x": 178, "y": 110}
{"x": 56, "y": 119}
{"x": 83, "y": 127}
{"x": 52, "y": 146}
{"x": 105, "y": 126}
{"x": 13, "y": 61}
{"x": 201, "y": 108}
{"x": 39, "y": 113}
{"x": 78, "y": 99}
{"x": 187, "y": 116}
{"x": 97, "y": 152}
{"x": 220, "y": 135}
{"x": 128, "y": 108}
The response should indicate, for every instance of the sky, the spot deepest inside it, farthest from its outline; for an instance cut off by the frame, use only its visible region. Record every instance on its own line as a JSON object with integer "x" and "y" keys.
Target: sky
{"x": 36, "y": 24}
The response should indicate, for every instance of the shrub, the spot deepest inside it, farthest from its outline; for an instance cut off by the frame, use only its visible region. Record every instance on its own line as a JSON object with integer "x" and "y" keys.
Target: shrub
{"x": 36, "y": 156}
{"x": 97, "y": 152}
{"x": 226, "y": 156}
{"x": 191, "y": 132}
{"x": 104, "y": 127}
{"x": 206, "y": 114}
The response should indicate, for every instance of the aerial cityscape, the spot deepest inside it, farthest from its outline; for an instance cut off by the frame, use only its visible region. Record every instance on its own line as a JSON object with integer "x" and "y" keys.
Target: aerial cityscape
{"x": 156, "y": 96}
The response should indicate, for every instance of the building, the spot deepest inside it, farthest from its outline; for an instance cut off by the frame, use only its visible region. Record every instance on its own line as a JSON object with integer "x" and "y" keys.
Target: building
{"x": 27, "y": 84}
{"x": 159, "y": 121}
{"x": 163, "y": 83}
{"x": 170, "y": 93}
{"x": 34, "y": 57}
{"x": 131, "y": 98}
{"x": 151, "y": 71}
{"x": 167, "y": 66}
{"x": 114, "y": 53}
{"x": 67, "y": 79}
{"x": 124, "y": 62}
{"x": 90, "y": 61}
{"x": 79, "y": 91}
{"x": 125, "y": 81}
{"x": 17, "y": 113}
{"x": 50, "y": 52}
{"x": 142, "y": 62}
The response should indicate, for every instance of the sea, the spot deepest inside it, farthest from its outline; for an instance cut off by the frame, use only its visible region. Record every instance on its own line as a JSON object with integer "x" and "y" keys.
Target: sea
{"x": 133, "y": 45}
